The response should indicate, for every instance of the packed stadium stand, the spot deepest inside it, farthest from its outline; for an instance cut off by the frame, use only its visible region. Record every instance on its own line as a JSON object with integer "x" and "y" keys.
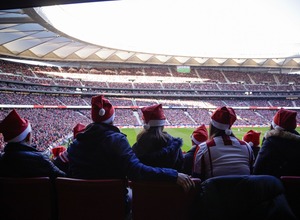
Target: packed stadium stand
{"x": 57, "y": 98}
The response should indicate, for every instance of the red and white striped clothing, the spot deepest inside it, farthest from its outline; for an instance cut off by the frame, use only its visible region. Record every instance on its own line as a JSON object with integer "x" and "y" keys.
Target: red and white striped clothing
{"x": 223, "y": 155}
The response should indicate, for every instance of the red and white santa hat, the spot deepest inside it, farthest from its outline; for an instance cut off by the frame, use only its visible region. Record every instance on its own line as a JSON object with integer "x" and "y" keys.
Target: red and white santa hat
{"x": 153, "y": 116}
{"x": 14, "y": 128}
{"x": 77, "y": 129}
{"x": 223, "y": 118}
{"x": 199, "y": 135}
{"x": 252, "y": 138}
{"x": 58, "y": 150}
{"x": 285, "y": 120}
{"x": 102, "y": 110}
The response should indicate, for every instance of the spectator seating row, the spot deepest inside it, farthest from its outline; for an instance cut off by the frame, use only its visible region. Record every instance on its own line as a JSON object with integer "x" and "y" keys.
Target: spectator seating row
{"x": 292, "y": 191}
{"x": 66, "y": 198}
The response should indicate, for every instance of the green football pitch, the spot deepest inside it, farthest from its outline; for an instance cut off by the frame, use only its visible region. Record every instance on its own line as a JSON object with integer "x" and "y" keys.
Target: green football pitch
{"x": 185, "y": 134}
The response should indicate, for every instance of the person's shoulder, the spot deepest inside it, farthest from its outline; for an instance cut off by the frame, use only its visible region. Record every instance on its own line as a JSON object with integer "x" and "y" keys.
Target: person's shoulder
{"x": 282, "y": 135}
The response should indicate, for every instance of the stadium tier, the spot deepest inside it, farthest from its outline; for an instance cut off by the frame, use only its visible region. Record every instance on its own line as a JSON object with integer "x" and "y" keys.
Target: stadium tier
{"x": 55, "y": 98}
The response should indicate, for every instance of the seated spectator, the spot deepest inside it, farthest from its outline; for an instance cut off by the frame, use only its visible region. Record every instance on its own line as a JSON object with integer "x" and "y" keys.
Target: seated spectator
{"x": 279, "y": 154}
{"x": 223, "y": 154}
{"x": 244, "y": 197}
{"x": 103, "y": 152}
{"x": 198, "y": 136}
{"x": 253, "y": 139}
{"x": 20, "y": 159}
{"x": 60, "y": 154}
{"x": 154, "y": 146}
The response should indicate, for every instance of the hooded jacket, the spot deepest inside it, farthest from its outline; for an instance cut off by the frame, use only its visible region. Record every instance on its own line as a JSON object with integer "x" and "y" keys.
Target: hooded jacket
{"x": 103, "y": 152}
{"x": 279, "y": 154}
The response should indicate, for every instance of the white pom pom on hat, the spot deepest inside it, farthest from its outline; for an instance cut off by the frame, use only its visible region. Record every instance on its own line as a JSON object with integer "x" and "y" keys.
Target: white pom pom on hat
{"x": 102, "y": 112}
{"x": 228, "y": 132}
{"x": 146, "y": 126}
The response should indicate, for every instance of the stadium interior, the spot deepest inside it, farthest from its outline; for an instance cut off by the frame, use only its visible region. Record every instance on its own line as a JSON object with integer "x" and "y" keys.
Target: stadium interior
{"x": 46, "y": 73}
{"x": 50, "y": 78}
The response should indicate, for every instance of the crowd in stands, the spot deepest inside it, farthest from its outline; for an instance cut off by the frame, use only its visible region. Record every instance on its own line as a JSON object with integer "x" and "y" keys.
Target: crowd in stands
{"x": 51, "y": 126}
{"x": 25, "y": 78}
{"x": 62, "y": 120}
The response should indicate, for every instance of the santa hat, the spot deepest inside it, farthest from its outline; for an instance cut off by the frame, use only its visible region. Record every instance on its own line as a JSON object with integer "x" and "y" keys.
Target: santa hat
{"x": 252, "y": 138}
{"x": 14, "y": 128}
{"x": 199, "y": 135}
{"x": 223, "y": 118}
{"x": 153, "y": 116}
{"x": 57, "y": 150}
{"x": 77, "y": 129}
{"x": 102, "y": 110}
{"x": 285, "y": 120}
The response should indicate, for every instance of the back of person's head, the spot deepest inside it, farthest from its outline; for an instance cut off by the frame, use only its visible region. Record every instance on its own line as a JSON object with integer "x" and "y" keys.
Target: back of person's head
{"x": 153, "y": 116}
{"x": 102, "y": 110}
{"x": 252, "y": 138}
{"x": 285, "y": 120}
{"x": 222, "y": 119}
{"x": 199, "y": 135}
{"x": 77, "y": 129}
{"x": 14, "y": 128}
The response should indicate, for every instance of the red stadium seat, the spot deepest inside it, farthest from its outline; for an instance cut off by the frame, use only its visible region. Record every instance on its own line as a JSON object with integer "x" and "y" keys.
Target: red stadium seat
{"x": 162, "y": 200}
{"x": 292, "y": 191}
{"x": 26, "y": 198}
{"x": 80, "y": 199}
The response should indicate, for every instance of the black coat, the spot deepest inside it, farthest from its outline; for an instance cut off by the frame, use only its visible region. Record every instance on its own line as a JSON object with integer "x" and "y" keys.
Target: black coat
{"x": 21, "y": 160}
{"x": 244, "y": 197}
{"x": 103, "y": 152}
{"x": 279, "y": 154}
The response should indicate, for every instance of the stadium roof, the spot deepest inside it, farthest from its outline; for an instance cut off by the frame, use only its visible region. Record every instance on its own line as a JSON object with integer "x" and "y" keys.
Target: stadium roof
{"x": 33, "y": 33}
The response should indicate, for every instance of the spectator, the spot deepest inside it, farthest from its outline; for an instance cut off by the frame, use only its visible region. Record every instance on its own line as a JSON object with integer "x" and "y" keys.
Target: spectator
{"x": 154, "y": 146}
{"x": 198, "y": 136}
{"x": 103, "y": 152}
{"x": 280, "y": 152}
{"x": 77, "y": 129}
{"x": 20, "y": 159}
{"x": 223, "y": 154}
{"x": 253, "y": 139}
{"x": 60, "y": 154}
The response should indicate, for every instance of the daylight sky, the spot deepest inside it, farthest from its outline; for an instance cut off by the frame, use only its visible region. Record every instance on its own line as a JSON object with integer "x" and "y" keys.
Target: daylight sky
{"x": 203, "y": 28}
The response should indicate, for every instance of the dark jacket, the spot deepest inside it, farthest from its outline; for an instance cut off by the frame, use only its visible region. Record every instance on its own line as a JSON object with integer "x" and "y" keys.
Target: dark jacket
{"x": 189, "y": 160}
{"x": 279, "y": 154}
{"x": 103, "y": 152}
{"x": 169, "y": 156}
{"x": 64, "y": 166}
{"x": 244, "y": 197}
{"x": 21, "y": 160}
{"x": 255, "y": 150}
